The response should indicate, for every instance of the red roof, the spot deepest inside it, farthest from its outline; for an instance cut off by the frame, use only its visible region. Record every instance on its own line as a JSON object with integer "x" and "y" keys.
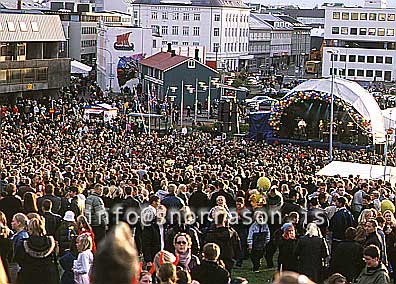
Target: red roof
{"x": 163, "y": 60}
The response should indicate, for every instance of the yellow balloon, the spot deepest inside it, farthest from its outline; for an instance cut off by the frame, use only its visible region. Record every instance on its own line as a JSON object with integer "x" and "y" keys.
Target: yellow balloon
{"x": 387, "y": 205}
{"x": 264, "y": 183}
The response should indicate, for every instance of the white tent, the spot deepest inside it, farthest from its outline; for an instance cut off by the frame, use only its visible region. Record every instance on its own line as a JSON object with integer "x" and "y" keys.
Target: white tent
{"x": 79, "y": 68}
{"x": 109, "y": 112}
{"x": 351, "y": 92}
{"x": 365, "y": 171}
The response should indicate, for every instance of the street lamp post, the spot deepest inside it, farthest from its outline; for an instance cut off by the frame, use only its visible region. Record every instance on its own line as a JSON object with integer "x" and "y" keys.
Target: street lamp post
{"x": 346, "y": 59}
{"x": 331, "y": 52}
{"x": 302, "y": 64}
{"x": 111, "y": 67}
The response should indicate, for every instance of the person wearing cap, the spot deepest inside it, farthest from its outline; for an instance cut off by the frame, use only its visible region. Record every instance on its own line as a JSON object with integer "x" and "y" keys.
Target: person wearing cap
{"x": 67, "y": 232}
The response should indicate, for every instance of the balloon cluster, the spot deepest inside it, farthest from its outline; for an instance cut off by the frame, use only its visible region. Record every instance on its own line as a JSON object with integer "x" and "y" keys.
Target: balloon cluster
{"x": 296, "y": 97}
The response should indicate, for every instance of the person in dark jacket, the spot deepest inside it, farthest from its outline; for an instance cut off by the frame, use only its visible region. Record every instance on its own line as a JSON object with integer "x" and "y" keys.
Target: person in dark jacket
{"x": 172, "y": 202}
{"x": 210, "y": 270}
{"x": 230, "y": 201}
{"x": 52, "y": 221}
{"x": 37, "y": 256}
{"x": 226, "y": 238}
{"x": 375, "y": 272}
{"x": 66, "y": 262}
{"x": 10, "y": 205}
{"x": 198, "y": 200}
{"x": 390, "y": 240}
{"x": 6, "y": 245}
{"x": 67, "y": 232}
{"x": 341, "y": 220}
{"x": 71, "y": 202}
{"x": 182, "y": 244}
{"x": 310, "y": 252}
{"x": 373, "y": 238}
{"x": 347, "y": 257}
{"x": 49, "y": 194}
{"x": 287, "y": 244}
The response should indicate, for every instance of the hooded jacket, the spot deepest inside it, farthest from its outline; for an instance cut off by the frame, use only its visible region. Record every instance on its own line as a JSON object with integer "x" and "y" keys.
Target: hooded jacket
{"x": 379, "y": 275}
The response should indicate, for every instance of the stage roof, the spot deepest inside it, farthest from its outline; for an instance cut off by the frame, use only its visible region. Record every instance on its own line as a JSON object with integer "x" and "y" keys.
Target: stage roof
{"x": 365, "y": 171}
{"x": 354, "y": 94}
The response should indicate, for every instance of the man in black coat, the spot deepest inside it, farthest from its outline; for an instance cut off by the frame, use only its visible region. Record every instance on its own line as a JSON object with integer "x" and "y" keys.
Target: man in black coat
{"x": 71, "y": 202}
{"x": 49, "y": 194}
{"x": 198, "y": 200}
{"x": 222, "y": 192}
{"x": 341, "y": 220}
{"x": 52, "y": 221}
{"x": 10, "y": 205}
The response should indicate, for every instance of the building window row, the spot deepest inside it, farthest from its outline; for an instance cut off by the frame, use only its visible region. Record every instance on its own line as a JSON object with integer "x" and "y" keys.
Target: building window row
{"x": 175, "y": 16}
{"x": 23, "y": 26}
{"x": 362, "y": 73}
{"x": 235, "y": 47}
{"x": 363, "y": 31}
{"x": 354, "y": 16}
{"x": 88, "y": 43}
{"x": 88, "y": 30}
{"x": 363, "y": 58}
{"x": 25, "y": 75}
{"x": 235, "y": 18}
{"x": 234, "y": 32}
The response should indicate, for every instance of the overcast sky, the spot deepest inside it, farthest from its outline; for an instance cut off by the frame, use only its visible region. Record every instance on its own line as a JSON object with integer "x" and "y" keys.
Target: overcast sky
{"x": 312, "y": 3}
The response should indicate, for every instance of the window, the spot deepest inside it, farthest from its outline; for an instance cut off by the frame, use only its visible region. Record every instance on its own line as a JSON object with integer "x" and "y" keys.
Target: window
{"x": 164, "y": 15}
{"x": 370, "y": 59}
{"x": 154, "y": 43}
{"x": 336, "y": 15}
{"x": 135, "y": 14}
{"x": 390, "y": 32}
{"x": 388, "y": 60}
{"x": 360, "y": 73}
{"x": 27, "y": 75}
{"x": 381, "y": 17}
{"x": 186, "y": 16}
{"x": 344, "y": 31}
{"x": 175, "y": 16}
{"x": 185, "y": 43}
{"x": 362, "y": 31}
{"x": 175, "y": 30}
{"x": 361, "y": 58}
{"x": 15, "y": 76}
{"x": 11, "y": 26}
{"x": 191, "y": 63}
{"x": 164, "y": 30}
{"x": 354, "y": 16}
{"x": 175, "y": 43}
{"x": 154, "y": 15}
{"x": 41, "y": 74}
{"x": 372, "y": 16}
{"x": 381, "y": 32}
{"x": 195, "y": 43}
{"x": 217, "y": 17}
{"x": 155, "y": 29}
{"x": 391, "y": 17}
{"x": 371, "y": 31}
{"x": 352, "y": 58}
{"x": 363, "y": 16}
{"x": 387, "y": 75}
{"x": 197, "y": 17}
{"x": 343, "y": 58}
{"x": 21, "y": 50}
{"x": 379, "y": 59}
{"x": 3, "y": 76}
{"x": 353, "y": 31}
{"x": 351, "y": 72}
{"x": 216, "y": 47}
{"x": 196, "y": 31}
{"x": 369, "y": 73}
{"x": 23, "y": 27}
{"x": 216, "y": 32}
{"x": 164, "y": 42}
{"x": 186, "y": 31}
{"x": 345, "y": 16}
{"x": 335, "y": 30}
{"x": 378, "y": 73}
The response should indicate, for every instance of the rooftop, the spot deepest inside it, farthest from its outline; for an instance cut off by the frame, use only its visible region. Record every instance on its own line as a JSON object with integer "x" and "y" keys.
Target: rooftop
{"x": 163, "y": 60}
{"x": 205, "y": 3}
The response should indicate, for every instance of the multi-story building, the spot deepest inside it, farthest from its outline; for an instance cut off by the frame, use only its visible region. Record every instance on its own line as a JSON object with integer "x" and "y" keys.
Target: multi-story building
{"x": 30, "y": 64}
{"x": 75, "y": 5}
{"x": 364, "y": 40}
{"x": 221, "y": 26}
{"x": 259, "y": 44}
{"x": 281, "y": 37}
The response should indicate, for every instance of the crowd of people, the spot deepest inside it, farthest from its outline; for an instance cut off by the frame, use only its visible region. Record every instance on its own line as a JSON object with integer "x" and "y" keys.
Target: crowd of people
{"x": 197, "y": 208}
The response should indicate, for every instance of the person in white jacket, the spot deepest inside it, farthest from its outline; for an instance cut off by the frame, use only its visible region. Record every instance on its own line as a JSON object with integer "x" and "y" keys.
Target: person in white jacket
{"x": 258, "y": 238}
{"x": 82, "y": 266}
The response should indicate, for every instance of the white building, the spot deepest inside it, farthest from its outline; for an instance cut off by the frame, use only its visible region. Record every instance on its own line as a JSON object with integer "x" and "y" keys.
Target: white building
{"x": 119, "y": 49}
{"x": 221, "y": 26}
{"x": 364, "y": 40}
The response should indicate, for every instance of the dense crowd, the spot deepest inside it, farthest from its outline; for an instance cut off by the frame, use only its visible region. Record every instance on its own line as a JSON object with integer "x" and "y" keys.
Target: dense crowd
{"x": 197, "y": 208}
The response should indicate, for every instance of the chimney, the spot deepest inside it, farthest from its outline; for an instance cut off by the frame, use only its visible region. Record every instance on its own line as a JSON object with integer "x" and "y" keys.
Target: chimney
{"x": 19, "y": 4}
{"x": 173, "y": 53}
{"x": 169, "y": 47}
{"x": 196, "y": 57}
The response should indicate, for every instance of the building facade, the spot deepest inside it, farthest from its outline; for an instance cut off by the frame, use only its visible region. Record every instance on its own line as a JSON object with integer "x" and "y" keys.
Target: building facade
{"x": 259, "y": 44}
{"x": 30, "y": 63}
{"x": 221, "y": 26}
{"x": 364, "y": 41}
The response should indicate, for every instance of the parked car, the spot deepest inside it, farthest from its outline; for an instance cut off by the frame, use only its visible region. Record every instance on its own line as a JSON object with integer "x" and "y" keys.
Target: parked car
{"x": 256, "y": 99}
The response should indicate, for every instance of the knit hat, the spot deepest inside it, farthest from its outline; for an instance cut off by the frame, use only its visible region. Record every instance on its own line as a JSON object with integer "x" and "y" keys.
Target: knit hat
{"x": 286, "y": 226}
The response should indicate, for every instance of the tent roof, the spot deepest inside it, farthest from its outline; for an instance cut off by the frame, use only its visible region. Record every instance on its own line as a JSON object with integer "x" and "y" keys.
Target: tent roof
{"x": 365, "y": 171}
{"x": 79, "y": 68}
{"x": 354, "y": 94}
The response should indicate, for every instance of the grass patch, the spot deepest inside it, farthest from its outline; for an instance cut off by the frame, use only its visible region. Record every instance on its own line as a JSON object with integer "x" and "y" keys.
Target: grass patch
{"x": 264, "y": 276}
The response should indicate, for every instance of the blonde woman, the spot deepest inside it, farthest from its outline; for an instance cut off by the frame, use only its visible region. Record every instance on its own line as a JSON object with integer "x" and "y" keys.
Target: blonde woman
{"x": 365, "y": 215}
{"x": 82, "y": 266}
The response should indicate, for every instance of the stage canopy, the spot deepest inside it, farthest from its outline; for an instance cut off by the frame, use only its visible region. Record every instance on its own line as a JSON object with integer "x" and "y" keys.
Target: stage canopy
{"x": 365, "y": 171}
{"x": 352, "y": 93}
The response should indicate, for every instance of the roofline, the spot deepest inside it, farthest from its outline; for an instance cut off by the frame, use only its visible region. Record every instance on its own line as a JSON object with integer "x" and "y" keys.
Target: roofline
{"x": 196, "y": 61}
{"x": 188, "y": 5}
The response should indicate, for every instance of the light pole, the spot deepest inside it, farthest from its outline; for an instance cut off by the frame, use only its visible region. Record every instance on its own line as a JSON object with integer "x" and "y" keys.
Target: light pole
{"x": 346, "y": 59}
{"x": 331, "y": 52}
{"x": 111, "y": 67}
{"x": 302, "y": 64}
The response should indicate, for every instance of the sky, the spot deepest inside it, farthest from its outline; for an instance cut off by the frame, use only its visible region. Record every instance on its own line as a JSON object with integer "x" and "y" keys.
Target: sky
{"x": 313, "y": 3}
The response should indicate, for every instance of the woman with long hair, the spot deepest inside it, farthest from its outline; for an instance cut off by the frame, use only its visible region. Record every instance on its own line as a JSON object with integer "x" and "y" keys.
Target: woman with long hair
{"x": 364, "y": 216}
{"x": 82, "y": 266}
{"x": 85, "y": 228}
{"x": 37, "y": 256}
{"x": 167, "y": 273}
{"x": 30, "y": 203}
